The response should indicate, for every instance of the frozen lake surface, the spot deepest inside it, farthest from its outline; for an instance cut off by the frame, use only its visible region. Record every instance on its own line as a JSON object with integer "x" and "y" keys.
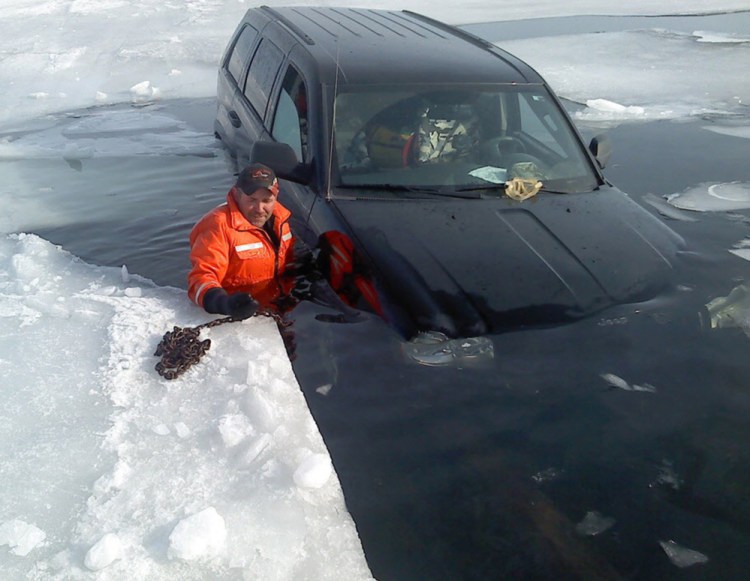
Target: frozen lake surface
{"x": 611, "y": 448}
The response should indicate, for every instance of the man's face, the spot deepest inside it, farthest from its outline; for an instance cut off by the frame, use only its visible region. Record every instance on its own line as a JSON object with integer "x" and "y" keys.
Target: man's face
{"x": 256, "y": 207}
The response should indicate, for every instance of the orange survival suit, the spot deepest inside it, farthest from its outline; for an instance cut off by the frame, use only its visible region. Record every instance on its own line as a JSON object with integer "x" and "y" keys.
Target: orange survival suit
{"x": 227, "y": 251}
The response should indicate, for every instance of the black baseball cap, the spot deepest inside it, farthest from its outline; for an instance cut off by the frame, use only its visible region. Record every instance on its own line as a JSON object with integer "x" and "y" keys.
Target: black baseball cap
{"x": 256, "y": 176}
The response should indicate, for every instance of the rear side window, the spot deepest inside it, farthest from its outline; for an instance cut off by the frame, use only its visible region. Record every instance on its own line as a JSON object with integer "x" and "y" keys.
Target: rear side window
{"x": 241, "y": 52}
{"x": 263, "y": 69}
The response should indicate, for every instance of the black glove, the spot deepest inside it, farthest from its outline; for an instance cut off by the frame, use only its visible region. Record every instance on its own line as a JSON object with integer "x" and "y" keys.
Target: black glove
{"x": 237, "y": 305}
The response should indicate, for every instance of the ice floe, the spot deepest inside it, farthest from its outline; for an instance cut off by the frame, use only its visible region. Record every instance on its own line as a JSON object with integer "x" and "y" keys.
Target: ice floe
{"x": 619, "y": 383}
{"x": 682, "y": 556}
{"x": 713, "y": 197}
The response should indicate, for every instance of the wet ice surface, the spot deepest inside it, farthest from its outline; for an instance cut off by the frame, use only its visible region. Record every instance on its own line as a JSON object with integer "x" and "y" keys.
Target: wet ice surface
{"x": 668, "y": 66}
{"x": 107, "y": 132}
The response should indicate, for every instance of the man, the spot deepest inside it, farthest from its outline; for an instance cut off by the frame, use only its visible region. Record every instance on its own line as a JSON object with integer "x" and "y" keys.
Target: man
{"x": 239, "y": 250}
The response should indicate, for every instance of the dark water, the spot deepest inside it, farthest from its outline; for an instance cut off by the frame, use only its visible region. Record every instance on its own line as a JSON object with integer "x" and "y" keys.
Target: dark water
{"x": 483, "y": 473}
{"x": 482, "y": 470}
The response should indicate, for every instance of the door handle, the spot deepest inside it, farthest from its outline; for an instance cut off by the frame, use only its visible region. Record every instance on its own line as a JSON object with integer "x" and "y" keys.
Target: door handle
{"x": 234, "y": 119}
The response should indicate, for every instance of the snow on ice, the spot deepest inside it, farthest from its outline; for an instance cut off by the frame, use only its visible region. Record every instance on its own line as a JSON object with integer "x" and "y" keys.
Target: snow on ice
{"x": 120, "y": 471}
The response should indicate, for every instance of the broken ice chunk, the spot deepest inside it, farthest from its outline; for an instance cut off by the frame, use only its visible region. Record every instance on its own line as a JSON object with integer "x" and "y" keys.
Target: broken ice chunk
{"x": 161, "y": 430}
{"x": 546, "y": 475}
{"x": 618, "y": 382}
{"x": 313, "y": 472}
{"x": 324, "y": 389}
{"x": 105, "y": 552}
{"x": 667, "y": 210}
{"x": 255, "y": 447}
{"x": 593, "y": 524}
{"x": 682, "y": 556}
{"x": 668, "y": 476}
{"x": 182, "y": 430}
{"x": 21, "y": 537}
{"x": 234, "y": 428}
{"x": 198, "y": 537}
{"x": 615, "y": 381}
{"x": 436, "y": 348}
{"x": 731, "y": 310}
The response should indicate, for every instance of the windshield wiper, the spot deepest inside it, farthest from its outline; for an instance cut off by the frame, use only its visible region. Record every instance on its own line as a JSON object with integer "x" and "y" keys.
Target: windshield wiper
{"x": 431, "y": 191}
{"x": 500, "y": 188}
{"x": 481, "y": 187}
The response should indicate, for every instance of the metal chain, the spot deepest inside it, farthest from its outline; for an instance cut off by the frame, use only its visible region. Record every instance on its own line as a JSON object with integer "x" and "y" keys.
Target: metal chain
{"x": 181, "y": 348}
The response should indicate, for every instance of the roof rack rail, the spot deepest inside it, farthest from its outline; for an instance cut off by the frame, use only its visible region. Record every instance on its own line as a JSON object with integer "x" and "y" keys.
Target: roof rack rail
{"x": 453, "y": 30}
{"x": 469, "y": 37}
{"x": 290, "y": 25}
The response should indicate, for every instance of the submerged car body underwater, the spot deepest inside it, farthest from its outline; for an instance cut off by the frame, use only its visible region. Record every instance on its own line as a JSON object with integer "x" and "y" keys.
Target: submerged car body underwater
{"x": 401, "y": 140}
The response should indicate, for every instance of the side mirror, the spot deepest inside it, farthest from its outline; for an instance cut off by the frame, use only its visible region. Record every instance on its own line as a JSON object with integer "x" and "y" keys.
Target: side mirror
{"x": 601, "y": 149}
{"x": 280, "y": 157}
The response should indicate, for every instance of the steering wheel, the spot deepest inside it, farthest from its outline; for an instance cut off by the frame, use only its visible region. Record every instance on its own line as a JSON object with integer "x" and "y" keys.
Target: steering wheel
{"x": 494, "y": 151}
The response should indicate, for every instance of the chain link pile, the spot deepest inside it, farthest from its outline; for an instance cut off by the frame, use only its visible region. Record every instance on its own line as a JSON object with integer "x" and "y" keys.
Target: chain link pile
{"x": 181, "y": 347}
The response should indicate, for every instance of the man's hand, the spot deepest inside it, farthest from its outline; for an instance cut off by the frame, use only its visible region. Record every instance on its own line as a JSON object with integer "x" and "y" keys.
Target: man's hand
{"x": 241, "y": 305}
{"x": 237, "y": 305}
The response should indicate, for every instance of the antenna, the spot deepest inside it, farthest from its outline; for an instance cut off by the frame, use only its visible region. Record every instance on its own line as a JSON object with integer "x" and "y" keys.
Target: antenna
{"x": 333, "y": 125}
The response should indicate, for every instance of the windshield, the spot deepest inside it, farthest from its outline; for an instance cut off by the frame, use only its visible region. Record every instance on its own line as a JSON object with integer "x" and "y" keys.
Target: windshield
{"x": 448, "y": 138}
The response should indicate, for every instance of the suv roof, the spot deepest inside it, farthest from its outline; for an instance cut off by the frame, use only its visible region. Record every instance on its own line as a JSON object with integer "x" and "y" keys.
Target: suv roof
{"x": 401, "y": 46}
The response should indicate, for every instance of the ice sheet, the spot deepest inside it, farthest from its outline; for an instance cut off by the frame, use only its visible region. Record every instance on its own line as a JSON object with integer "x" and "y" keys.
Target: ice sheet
{"x": 108, "y": 467}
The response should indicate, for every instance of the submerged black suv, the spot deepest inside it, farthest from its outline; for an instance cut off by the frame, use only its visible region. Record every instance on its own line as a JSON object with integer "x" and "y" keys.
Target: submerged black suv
{"x": 443, "y": 182}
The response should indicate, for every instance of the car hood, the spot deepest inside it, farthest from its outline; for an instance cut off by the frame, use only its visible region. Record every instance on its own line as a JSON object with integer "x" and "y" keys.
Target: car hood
{"x": 469, "y": 267}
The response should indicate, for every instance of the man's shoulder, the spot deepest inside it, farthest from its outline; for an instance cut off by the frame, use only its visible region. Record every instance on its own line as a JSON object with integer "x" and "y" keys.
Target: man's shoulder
{"x": 218, "y": 214}
{"x": 217, "y": 218}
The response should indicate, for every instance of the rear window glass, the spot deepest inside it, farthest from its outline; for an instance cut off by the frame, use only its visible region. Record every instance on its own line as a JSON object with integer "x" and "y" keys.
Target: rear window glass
{"x": 241, "y": 52}
{"x": 263, "y": 70}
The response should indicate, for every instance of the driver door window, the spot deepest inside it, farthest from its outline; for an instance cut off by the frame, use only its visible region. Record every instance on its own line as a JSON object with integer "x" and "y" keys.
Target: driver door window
{"x": 290, "y": 120}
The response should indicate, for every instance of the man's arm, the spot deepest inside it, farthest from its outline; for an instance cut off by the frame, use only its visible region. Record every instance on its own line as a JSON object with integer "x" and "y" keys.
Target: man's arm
{"x": 209, "y": 256}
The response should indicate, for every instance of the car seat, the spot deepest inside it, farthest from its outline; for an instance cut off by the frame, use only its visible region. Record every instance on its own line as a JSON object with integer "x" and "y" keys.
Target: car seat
{"x": 445, "y": 133}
